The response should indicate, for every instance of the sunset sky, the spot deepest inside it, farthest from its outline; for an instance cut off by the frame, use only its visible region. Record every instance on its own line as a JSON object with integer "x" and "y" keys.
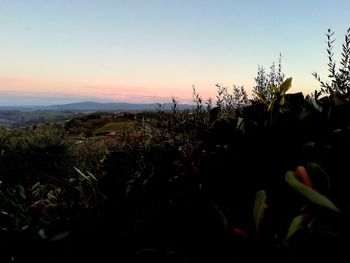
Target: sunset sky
{"x": 61, "y": 51}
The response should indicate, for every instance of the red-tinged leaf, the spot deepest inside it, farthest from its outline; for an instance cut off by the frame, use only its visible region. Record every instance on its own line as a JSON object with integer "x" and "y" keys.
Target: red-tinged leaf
{"x": 303, "y": 176}
{"x": 312, "y": 195}
{"x": 240, "y": 232}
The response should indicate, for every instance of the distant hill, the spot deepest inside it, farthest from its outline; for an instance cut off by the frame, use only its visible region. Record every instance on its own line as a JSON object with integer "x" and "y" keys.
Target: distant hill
{"x": 91, "y": 105}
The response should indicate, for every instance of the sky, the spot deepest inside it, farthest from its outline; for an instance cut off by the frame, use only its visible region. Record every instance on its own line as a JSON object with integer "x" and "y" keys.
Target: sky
{"x": 62, "y": 51}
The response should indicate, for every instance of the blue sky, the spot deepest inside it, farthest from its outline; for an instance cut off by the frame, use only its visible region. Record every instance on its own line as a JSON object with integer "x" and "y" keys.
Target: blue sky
{"x": 149, "y": 50}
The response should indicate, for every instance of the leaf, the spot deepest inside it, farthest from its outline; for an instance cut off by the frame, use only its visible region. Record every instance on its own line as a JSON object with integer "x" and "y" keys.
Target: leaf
{"x": 297, "y": 223}
{"x": 318, "y": 174}
{"x": 81, "y": 173}
{"x": 240, "y": 232}
{"x": 303, "y": 176}
{"x": 330, "y": 230}
{"x": 60, "y": 236}
{"x": 272, "y": 104}
{"x": 316, "y": 105}
{"x": 285, "y": 86}
{"x": 51, "y": 195}
{"x": 240, "y": 124}
{"x": 42, "y": 233}
{"x": 35, "y": 186}
{"x": 92, "y": 176}
{"x": 338, "y": 99}
{"x": 261, "y": 98}
{"x": 222, "y": 215}
{"x": 72, "y": 180}
{"x": 309, "y": 193}
{"x": 282, "y": 101}
{"x": 259, "y": 208}
{"x": 21, "y": 191}
{"x": 275, "y": 90}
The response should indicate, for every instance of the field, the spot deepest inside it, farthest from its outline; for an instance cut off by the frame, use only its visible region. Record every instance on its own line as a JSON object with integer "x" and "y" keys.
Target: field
{"x": 13, "y": 118}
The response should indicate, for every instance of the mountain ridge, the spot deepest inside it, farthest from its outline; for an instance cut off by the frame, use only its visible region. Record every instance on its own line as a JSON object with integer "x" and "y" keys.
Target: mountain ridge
{"x": 92, "y": 105}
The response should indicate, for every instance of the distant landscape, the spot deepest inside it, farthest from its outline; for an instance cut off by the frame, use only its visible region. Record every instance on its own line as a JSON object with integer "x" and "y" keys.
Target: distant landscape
{"x": 238, "y": 180}
{"x": 19, "y": 116}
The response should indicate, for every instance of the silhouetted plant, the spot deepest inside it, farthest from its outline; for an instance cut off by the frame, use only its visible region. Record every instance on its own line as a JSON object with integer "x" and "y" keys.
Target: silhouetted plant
{"x": 230, "y": 102}
{"x": 240, "y": 96}
{"x": 264, "y": 81}
{"x": 277, "y": 102}
{"x": 199, "y": 113}
{"x": 209, "y": 104}
{"x": 339, "y": 77}
{"x": 175, "y": 103}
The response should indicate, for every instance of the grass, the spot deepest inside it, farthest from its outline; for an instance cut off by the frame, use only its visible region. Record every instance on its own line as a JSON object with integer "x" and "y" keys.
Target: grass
{"x": 119, "y": 126}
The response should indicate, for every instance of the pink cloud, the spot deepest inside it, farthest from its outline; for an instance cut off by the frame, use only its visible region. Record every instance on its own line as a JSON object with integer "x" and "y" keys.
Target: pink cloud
{"x": 27, "y": 86}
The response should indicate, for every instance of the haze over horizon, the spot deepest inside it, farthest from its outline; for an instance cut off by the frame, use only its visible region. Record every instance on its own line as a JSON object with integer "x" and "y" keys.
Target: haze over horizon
{"x": 55, "y": 52}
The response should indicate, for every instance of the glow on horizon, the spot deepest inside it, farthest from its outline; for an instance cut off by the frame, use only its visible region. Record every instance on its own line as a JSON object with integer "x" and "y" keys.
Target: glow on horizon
{"x": 148, "y": 51}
